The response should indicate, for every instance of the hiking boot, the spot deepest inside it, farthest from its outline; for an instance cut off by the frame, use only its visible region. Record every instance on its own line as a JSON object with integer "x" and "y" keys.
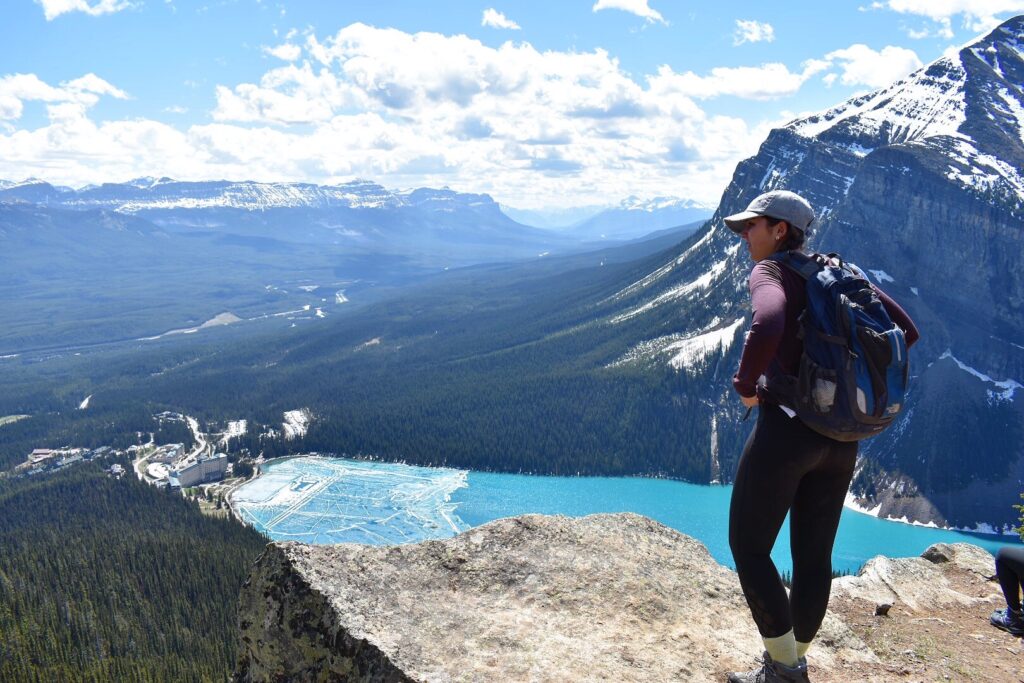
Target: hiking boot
{"x": 1011, "y": 621}
{"x": 773, "y": 672}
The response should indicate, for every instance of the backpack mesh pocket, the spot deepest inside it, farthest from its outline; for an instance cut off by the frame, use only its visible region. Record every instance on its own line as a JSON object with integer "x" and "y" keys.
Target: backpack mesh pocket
{"x": 817, "y": 386}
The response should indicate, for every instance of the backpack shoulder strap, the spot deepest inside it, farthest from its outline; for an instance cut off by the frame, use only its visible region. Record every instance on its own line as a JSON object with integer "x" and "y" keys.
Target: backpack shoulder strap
{"x": 804, "y": 265}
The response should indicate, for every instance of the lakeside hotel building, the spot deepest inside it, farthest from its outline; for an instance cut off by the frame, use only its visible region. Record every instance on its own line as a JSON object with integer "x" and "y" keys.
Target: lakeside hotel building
{"x": 208, "y": 468}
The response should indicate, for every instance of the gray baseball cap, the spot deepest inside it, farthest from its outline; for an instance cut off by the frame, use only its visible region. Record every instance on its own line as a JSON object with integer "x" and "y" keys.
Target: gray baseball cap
{"x": 782, "y": 205}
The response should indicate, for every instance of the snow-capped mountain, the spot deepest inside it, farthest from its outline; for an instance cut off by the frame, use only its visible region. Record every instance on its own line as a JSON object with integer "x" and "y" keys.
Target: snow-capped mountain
{"x": 557, "y": 218}
{"x": 635, "y": 217}
{"x": 920, "y": 184}
{"x": 143, "y": 194}
{"x": 653, "y": 204}
{"x": 457, "y": 228}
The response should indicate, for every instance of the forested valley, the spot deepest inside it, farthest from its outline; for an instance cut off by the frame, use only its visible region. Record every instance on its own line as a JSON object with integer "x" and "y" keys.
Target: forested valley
{"x": 105, "y": 579}
{"x": 508, "y": 368}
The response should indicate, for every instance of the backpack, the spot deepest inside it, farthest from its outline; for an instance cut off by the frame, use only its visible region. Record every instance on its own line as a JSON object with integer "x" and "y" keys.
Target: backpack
{"x": 852, "y": 378}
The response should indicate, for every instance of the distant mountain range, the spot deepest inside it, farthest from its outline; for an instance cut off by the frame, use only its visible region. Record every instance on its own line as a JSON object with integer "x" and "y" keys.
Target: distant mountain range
{"x": 631, "y": 219}
{"x": 360, "y": 215}
{"x": 634, "y": 217}
{"x": 159, "y": 197}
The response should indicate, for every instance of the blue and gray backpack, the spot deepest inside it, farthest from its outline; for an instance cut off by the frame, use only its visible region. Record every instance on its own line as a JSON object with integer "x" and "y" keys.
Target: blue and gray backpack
{"x": 852, "y": 379}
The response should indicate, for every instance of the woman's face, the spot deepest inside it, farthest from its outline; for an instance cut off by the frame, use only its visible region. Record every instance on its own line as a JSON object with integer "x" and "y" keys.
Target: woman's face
{"x": 760, "y": 235}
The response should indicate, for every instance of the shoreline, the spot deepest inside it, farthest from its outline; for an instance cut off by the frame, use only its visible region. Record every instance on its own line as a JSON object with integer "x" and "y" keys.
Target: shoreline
{"x": 983, "y": 528}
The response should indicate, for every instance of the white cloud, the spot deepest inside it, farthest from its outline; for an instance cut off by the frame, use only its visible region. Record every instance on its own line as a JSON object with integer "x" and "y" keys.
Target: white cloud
{"x": 637, "y": 7}
{"x": 496, "y": 19}
{"x": 288, "y": 95}
{"x": 287, "y": 52}
{"x": 863, "y": 66}
{"x": 83, "y": 92}
{"x": 764, "y": 82}
{"x": 951, "y": 51}
{"x": 92, "y": 83}
{"x": 942, "y": 29}
{"x": 977, "y": 15}
{"x": 752, "y": 32}
{"x": 530, "y": 127}
{"x": 54, "y": 8}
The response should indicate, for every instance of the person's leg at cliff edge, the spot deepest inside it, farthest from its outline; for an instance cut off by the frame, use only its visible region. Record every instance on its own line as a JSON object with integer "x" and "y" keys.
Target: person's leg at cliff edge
{"x": 786, "y": 468}
{"x": 1010, "y": 572}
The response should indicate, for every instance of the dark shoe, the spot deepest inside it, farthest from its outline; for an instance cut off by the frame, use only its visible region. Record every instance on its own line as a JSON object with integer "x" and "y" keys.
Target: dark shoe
{"x": 773, "y": 672}
{"x": 1011, "y": 621}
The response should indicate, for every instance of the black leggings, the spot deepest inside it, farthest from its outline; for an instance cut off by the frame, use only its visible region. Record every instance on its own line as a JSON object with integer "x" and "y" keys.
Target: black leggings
{"x": 1010, "y": 570}
{"x": 787, "y": 467}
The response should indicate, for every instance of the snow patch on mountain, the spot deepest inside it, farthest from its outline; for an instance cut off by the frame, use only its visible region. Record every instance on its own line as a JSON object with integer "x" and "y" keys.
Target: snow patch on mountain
{"x": 250, "y": 196}
{"x": 689, "y": 352}
{"x": 983, "y": 172}
{"x": 686, "y": 349}
{"x": 296, "y": 423}
{"x": 701, "y": 283}
{"x": 146, "y": 194}
{"x": 1007, "y": 386}
{"x": 633, "y": 203}
{"x": 661, "y": 272}
{"x": 366, "y": 344}
{"x": 27, "y": 182}
{"x": 235, "y": 428}
{"x": 1015, "y": 109}
{"x": 143, "y": 183}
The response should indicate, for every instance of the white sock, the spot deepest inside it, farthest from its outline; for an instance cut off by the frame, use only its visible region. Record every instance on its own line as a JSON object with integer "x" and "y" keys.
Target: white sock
{"x": 783, "y": 648}
{"x": 801, "y": 649}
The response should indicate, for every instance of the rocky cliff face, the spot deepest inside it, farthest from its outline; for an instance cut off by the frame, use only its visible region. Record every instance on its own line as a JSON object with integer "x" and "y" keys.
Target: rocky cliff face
{"x": 606, "y": 597}
{"x": 919, "y": 183}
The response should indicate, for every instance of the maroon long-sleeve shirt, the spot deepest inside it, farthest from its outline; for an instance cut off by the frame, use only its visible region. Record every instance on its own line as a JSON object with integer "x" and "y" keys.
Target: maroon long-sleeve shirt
{"x": 778, "y": 296}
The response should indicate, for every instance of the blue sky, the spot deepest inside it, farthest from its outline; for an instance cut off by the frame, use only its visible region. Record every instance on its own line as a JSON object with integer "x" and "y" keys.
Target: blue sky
{"x": 540, "y": 104}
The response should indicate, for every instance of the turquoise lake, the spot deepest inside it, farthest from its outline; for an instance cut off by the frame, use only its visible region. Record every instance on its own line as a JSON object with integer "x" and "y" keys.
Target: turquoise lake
{"x": 330, "y": 500}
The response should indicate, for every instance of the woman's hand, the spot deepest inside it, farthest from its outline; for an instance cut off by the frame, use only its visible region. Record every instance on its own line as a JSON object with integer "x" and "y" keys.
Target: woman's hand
{"x": 750, "y": 402}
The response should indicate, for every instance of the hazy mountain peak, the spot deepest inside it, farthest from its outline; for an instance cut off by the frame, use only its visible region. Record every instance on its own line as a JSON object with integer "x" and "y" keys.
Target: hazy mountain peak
{"x": 30, "y": 181}
{"x": 144, "y": 182}
{"x": 634, "y": 203}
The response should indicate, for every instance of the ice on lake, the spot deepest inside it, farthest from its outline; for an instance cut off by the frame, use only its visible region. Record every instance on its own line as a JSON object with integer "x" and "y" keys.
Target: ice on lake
{"x": 321, "y": 500}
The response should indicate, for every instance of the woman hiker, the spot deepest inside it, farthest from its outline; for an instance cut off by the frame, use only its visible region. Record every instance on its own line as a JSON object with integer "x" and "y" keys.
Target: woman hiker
{"x": 785, "y": 467}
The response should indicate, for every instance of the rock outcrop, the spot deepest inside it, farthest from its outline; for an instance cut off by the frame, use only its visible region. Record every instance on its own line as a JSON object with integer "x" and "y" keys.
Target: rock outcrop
{"x": 549, "y": 598}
